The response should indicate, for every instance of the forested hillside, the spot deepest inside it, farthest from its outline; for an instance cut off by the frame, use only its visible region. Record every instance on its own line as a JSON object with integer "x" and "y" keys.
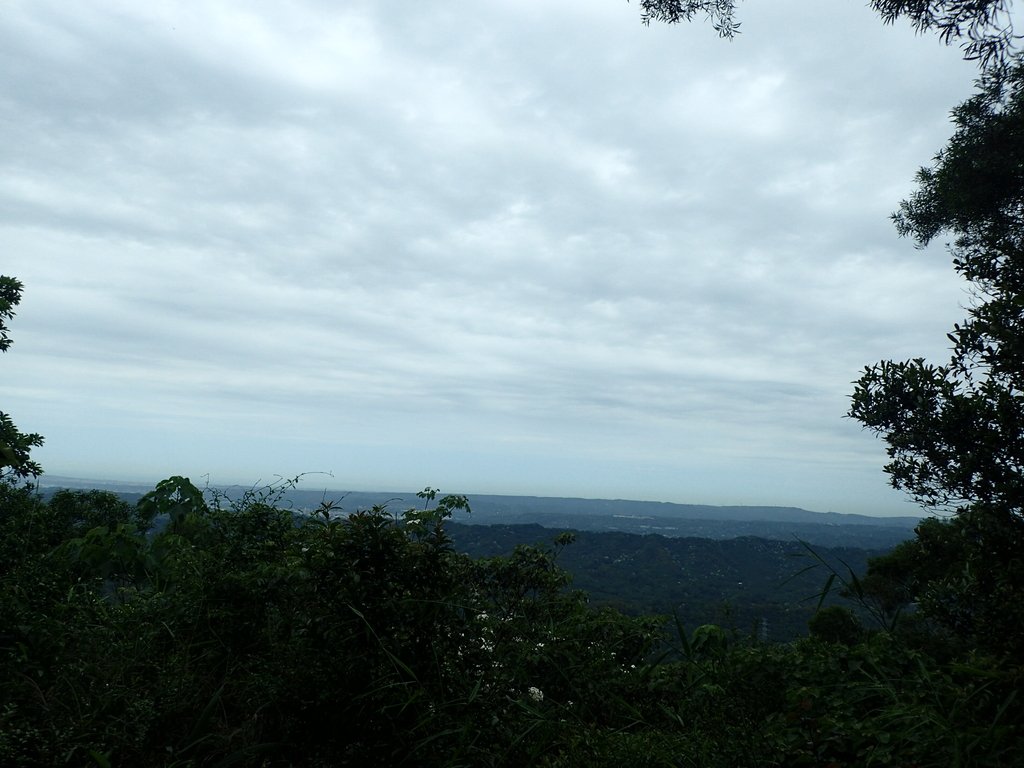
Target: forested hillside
{"x": 242, "y": 634}
{"x": 744, "y": 584}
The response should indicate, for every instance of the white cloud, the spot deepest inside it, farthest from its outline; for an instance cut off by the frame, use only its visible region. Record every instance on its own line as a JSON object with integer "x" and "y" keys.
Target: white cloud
{"x": 514, "y": 248}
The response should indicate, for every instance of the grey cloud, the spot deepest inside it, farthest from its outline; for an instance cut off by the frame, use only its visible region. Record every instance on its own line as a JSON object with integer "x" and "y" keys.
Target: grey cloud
{"x": 544, "y": 239}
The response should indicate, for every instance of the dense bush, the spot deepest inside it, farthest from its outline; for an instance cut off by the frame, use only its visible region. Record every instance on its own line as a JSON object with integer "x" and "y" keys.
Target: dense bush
{"x": 195, "y": 630}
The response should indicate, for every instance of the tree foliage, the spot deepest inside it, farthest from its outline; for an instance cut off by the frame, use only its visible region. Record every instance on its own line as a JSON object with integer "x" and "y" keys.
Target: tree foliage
{"x": 720, "y": 13}
{"x": 243, "y": 633}
{"x": 983, "y": 28}
{"x": 15, "y": 446}
{"x": 955, "y": 432}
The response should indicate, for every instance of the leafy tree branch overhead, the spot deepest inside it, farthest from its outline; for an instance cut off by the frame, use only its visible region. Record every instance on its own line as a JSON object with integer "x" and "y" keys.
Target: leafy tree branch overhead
{"x": 983, "y": 28}
{"x": 10, "y": 297}
{"x": 721, "y": 13}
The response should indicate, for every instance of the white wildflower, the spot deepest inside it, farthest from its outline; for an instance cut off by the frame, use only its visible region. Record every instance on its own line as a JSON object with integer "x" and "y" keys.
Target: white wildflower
{"x": 535, "y": 693}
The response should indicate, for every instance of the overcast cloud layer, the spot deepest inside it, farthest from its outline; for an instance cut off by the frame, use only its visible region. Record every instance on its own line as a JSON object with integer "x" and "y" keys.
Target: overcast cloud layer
{"x": 518, "y": 247}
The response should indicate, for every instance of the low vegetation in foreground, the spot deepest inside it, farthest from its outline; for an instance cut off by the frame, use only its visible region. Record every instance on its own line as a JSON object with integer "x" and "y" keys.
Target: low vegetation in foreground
{"x": 241, "y": 634}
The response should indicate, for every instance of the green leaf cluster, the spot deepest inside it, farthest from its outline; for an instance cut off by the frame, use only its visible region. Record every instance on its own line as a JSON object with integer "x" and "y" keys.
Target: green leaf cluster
{"x": 955, "y": 432}
{"x": 192, "y": 629}
{"x": 15, "y": 445}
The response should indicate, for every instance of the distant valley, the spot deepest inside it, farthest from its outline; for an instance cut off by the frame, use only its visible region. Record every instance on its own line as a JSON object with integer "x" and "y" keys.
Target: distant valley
{"x": 735, "y": 566}
{"x": 827, "y": 529}
{"x": 740, "y": 583}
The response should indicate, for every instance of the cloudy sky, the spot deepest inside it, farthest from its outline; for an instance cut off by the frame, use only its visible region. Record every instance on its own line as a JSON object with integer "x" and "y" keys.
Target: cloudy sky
{"x": 512, "y": 247}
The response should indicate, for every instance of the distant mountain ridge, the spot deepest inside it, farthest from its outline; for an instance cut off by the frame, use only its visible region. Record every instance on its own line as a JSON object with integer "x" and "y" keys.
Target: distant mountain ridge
{"x": 598, "y": 515}
{"x": 664, "y": 509}
{"x": 693, "y": 520}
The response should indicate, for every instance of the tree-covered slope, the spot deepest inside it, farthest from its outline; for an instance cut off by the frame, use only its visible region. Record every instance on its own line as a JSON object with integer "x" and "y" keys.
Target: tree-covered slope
{"x": 740, "y": 583}
{"x": 242, "y": 634}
